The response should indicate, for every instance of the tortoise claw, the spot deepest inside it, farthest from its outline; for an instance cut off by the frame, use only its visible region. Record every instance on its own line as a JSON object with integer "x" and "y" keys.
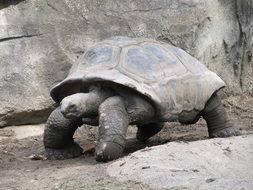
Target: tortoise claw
{"x": 107, "y": 151}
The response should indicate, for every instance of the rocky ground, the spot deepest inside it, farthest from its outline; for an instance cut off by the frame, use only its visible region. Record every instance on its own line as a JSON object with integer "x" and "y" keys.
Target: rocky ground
{"x": 22, "y": 164}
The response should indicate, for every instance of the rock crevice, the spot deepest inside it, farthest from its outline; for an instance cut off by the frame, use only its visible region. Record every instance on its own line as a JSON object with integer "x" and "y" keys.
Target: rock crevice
{"x": 18, "y": 37}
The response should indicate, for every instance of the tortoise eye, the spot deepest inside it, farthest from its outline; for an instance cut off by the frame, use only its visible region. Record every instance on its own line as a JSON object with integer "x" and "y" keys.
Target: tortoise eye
{"x": 71, "y": 105}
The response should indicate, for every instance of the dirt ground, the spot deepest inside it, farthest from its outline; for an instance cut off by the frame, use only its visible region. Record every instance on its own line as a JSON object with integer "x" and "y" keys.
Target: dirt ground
{"x": 22, "y": 165}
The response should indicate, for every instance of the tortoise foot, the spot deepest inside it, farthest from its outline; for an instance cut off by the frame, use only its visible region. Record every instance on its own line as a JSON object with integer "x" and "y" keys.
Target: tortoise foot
{"x": 107, "y": 151}
{"x": 65, "y": 153}
{"x": 225, "y": 132}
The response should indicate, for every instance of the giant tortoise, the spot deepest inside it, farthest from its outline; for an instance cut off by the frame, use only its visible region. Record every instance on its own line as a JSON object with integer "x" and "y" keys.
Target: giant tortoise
{"x": 137, "y": 81}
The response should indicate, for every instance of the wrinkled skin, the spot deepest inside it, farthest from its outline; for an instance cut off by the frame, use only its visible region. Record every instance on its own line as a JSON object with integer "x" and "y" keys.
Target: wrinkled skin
{"x": 113, "y": 112}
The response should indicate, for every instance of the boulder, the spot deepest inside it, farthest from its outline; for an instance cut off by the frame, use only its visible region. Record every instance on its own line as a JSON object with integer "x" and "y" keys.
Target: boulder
{"x": 40, "y": 39}
{"x": 206, "y": 164}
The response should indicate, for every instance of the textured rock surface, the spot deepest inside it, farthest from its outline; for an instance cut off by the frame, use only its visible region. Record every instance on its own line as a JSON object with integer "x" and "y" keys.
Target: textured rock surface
{"x": 207, "y": 164}
{"x": 39, "y": 40}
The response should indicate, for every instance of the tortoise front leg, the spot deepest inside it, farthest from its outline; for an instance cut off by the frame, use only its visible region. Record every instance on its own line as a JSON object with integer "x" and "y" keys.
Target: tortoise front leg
{"x": 58, "y": 136}
{"x": 217, "y": 120}
{"x": 113, "y": 124}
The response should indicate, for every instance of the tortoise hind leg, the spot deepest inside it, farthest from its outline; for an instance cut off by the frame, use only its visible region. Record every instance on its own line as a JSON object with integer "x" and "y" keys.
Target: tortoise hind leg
{"x": 146, "y": 131}
{"x": 58, "y": 136}
{"x": 217, "y": 120}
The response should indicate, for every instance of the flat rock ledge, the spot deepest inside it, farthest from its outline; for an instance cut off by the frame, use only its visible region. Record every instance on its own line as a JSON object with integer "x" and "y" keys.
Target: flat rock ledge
{"x": 206, "y": 164}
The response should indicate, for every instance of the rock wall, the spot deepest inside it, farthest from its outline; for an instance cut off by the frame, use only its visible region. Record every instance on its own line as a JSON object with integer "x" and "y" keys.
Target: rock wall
{"x": 39, "y": 40}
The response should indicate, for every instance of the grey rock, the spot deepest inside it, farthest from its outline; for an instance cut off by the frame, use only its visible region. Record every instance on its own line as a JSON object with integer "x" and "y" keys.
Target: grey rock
{"x": 39, "y": 40}
{"x": 207, "y": 164}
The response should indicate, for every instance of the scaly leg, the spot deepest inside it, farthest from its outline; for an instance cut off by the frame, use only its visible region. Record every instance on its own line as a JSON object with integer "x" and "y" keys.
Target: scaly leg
{"x": 113, "y": 124}
{"x": 217, "y": 120}
{"x": 58, "y": 136}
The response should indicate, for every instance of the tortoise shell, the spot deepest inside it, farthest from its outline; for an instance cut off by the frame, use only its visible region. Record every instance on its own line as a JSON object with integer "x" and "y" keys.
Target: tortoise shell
{"x": 177, "y": 83}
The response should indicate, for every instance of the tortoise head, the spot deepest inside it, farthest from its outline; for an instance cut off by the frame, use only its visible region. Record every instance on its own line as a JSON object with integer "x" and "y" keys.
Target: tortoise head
{"x": 73, "y": 106}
